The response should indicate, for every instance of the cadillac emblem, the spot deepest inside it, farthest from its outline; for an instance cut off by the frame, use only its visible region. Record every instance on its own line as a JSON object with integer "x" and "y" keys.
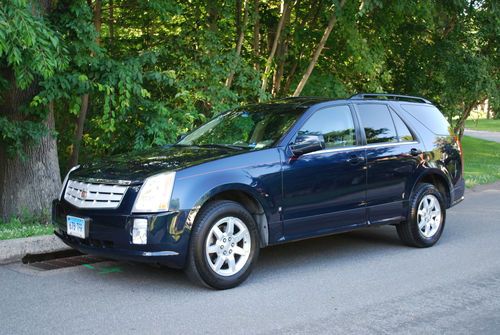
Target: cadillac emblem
{"x": 83, "y": 194}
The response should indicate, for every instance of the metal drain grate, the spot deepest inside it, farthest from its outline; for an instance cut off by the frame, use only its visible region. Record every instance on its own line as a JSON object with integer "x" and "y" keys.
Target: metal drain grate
{"x": 60, "y": 260}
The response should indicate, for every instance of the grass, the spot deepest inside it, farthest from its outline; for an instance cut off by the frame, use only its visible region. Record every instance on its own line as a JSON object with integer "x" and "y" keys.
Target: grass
{"x": 25, "y": 225}
{"x": 481, "y": 161}
{"x": 483, "y": 124}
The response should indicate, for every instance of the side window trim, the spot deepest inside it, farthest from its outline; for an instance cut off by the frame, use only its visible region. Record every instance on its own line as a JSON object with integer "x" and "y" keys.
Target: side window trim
{"x": 416, "y": 138}
{"x": 362, "y": 130}
{"x": 354, "y": 121}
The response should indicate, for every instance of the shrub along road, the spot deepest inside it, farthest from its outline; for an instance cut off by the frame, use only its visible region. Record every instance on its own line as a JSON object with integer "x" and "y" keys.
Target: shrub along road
{"x": 358, "y": 282}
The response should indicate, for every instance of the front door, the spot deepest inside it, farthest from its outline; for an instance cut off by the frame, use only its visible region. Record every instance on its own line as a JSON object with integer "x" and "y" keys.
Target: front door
{"x": 324, "y": 190}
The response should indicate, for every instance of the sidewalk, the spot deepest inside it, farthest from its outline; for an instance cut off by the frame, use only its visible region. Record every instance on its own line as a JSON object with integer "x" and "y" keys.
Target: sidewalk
{"x": 484, "y": 135}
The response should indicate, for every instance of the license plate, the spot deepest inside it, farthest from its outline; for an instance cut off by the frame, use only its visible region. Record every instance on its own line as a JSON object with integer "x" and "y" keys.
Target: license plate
{"x": 75, "y": 226}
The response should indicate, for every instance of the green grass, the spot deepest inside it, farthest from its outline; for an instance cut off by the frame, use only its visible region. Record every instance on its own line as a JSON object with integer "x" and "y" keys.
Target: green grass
{"x": 483, "y": 124}
{"x": 481, "y": 161}
{"x": 25, "y": 226}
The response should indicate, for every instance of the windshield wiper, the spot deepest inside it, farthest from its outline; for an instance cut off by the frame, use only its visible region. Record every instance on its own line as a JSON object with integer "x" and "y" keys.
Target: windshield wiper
{"x": 225, "y": 146}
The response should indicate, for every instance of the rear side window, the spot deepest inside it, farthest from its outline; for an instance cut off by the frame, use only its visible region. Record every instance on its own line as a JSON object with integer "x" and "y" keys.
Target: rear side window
{"x": 377, "y": 122}
{"x": 335, "y": 124}
{"x": 430, "y": 117}
{"x": 404, "y": 134}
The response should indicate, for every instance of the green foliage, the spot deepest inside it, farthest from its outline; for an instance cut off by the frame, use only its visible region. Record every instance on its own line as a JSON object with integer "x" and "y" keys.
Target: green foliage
{"x": 154, "y": 69}
{"x": 31, "y": 49}
{"x": 27, "y": 42}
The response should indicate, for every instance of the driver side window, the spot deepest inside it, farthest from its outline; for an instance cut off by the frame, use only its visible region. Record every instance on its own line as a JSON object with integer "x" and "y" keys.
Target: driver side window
{"x": 335, "y": 124}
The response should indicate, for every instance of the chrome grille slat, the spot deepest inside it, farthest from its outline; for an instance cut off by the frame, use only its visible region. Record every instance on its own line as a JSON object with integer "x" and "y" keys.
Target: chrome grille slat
{"x": 90, "y": 195}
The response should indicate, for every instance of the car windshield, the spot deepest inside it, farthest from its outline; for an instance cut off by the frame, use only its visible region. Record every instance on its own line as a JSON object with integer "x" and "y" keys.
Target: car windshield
{"x": 244, "y": 129}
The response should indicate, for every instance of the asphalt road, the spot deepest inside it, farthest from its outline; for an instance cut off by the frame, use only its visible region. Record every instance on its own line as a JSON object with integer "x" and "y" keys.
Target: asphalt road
{"x": 360, "y": 282}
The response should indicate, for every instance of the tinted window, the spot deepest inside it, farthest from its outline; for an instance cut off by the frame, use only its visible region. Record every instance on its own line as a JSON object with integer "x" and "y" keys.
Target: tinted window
{"x": 404, "y": 133}
{"x": 377, "y": 122}
{"x": 430, "y": 117}
{"x": 334, "y": 123}
{"x": 250, "y": 129}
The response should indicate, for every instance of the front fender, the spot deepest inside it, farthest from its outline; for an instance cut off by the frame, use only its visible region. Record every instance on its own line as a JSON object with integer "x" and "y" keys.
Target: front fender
{"x": 258, "y": 174}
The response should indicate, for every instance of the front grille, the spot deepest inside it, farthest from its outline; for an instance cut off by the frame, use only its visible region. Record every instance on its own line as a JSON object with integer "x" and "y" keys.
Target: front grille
{"x": 88, "y": 195}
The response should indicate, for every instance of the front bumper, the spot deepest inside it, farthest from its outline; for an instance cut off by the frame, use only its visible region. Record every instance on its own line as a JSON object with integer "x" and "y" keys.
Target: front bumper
{"x": 110, "y": 234}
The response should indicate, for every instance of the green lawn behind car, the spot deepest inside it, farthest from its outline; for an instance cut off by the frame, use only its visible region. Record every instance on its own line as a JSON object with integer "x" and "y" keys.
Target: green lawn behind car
{"x": 483, "y": 124}
{"x": 481, "y": 161}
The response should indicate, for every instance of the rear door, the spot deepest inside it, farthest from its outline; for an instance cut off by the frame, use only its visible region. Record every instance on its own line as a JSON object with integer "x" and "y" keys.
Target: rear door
{"x": 325, "y": 190}
{"x": 393, "y": 153}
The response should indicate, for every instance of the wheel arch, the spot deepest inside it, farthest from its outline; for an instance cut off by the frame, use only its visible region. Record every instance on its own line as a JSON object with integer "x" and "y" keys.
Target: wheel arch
{"x": 244, "y": 197}
{"x": 439, "y": 180}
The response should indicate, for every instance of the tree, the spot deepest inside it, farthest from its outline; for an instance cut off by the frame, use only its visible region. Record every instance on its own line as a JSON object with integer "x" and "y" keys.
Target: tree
{"x": 317, "y": 51}
{"x": 30, "y": 51}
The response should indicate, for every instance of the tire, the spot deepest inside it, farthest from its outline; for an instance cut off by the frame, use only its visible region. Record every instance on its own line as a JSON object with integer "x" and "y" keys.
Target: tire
{"x": 217, "y": 258}
{"x": 422, "y": 228}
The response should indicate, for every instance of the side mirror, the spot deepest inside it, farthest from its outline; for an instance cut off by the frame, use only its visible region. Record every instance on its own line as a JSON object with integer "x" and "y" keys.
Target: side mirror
{"x": 181, "y": 136}
{"x": 307, "y": 143}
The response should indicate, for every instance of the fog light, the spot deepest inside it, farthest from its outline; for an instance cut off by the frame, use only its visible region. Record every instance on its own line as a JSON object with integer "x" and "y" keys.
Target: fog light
{"x": 140, "y": 231}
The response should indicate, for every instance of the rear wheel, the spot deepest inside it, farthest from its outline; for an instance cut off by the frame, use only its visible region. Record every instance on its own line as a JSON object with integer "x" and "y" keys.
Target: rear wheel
{"x": 224, "y": 245}
{"x": 426, "y": 217}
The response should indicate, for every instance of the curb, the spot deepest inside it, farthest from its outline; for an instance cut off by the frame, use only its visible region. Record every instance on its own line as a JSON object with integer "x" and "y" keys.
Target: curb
{"x": 14, "y": 250}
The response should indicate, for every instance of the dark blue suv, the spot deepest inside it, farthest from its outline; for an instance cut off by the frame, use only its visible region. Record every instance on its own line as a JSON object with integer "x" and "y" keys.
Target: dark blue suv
{"x": 267, "y": 174}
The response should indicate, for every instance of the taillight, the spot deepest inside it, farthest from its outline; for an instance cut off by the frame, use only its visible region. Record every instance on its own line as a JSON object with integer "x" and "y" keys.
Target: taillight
{"x": 457, "y": 139}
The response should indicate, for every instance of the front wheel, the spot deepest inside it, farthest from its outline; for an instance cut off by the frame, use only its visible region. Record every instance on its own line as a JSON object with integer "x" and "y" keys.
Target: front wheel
{"x": 426, "y": 217}
{"x": 224, "y": 245}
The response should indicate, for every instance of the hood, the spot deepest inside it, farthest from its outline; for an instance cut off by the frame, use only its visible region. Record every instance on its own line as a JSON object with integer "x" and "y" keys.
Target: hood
{"x": 133, "y": 168}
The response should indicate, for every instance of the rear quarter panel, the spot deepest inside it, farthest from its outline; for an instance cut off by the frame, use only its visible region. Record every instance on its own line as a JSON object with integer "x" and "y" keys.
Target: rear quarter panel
{"x": 442, "y": 156}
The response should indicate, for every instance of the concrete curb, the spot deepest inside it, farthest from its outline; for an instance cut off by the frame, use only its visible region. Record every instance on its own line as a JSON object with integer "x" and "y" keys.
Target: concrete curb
{"x": 14, "y": 250}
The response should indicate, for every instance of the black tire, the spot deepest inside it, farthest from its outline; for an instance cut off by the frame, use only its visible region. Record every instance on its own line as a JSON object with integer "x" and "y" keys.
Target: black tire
{"x": 198, "y": 268}
{"x": 408, "y": 231}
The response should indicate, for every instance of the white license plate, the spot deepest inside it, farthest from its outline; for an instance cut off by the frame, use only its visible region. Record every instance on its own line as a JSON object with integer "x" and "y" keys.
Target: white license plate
{"x": 75, "y": 226}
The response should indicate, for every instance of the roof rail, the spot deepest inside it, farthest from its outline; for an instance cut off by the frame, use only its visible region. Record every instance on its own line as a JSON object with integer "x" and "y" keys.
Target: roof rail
{"x": 362, "y": 96}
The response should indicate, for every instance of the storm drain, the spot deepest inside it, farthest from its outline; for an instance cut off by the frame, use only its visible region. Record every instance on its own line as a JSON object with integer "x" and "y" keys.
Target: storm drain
{"x": 60, "y": 260}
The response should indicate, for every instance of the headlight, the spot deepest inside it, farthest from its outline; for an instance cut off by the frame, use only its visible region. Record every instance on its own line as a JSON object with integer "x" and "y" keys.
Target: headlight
{"x": 155, "y": 193}
{"x": 66, "y": 180}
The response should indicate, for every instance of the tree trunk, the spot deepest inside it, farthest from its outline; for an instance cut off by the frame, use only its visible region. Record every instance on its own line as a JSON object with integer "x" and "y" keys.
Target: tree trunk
{"x": 311, "y": 20}
{"x": 213, "y": 15}
{"x": 280, "y": 68}
{"x": 75, "y": 152}
{"x": 111, "y": 23}
{"x": 269, "y": 61}
{"x": 97, "y": 19}
{"x": 281, "y": 58}
{"x": 459, "y": 126}
{"x": 82, "y": 116}
{"x": 27, "y": 184}
{"x": 289, "y": 79}
{"x": 256, "y": 35}
{"x": 239, "y": 43}
{"x": 317, "y": 52}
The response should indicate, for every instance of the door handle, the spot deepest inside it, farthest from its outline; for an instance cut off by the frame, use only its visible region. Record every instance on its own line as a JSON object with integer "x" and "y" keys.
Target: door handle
{"x": 415, "y": 152}
{"x": 355, "y": 160}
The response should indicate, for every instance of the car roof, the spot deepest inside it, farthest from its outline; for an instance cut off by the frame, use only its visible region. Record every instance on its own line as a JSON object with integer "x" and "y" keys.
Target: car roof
{"x": 292, "y": 104}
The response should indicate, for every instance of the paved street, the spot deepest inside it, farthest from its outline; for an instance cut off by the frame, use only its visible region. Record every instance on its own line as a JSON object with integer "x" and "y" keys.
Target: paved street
{"x": 484, "y": 135}
{"x": 360, "y": 282}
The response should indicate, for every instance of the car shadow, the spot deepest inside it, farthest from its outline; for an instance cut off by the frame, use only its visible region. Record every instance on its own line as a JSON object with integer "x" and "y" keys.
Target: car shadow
{"x": 280, "y": 260}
